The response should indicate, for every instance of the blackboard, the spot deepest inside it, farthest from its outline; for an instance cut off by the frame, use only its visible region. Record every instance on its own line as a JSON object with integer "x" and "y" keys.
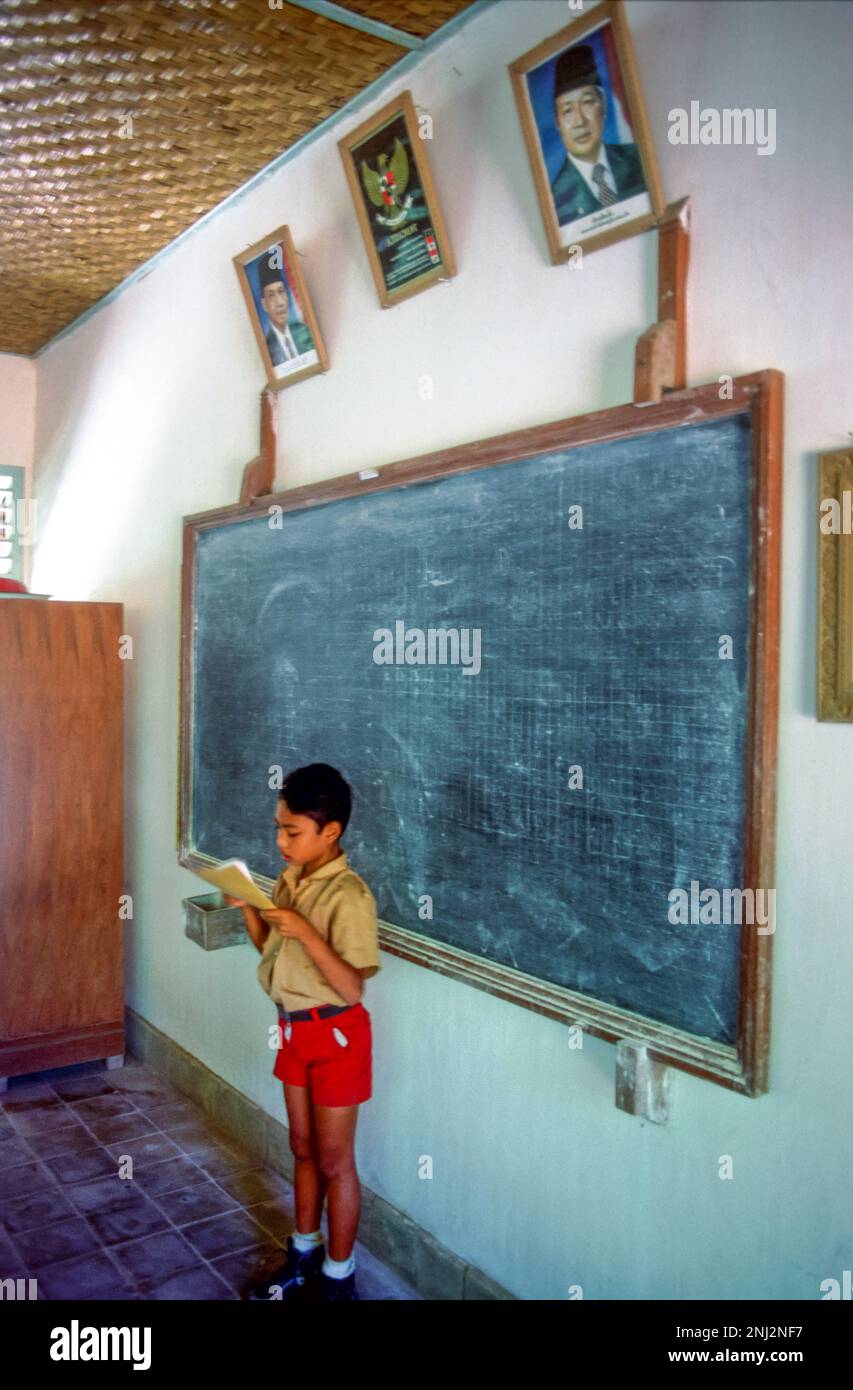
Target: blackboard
{"x": 590, "y": 751}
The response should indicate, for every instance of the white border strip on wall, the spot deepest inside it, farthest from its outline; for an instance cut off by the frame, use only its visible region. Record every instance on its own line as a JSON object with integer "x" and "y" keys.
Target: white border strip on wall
{"x": 353, "y": 20}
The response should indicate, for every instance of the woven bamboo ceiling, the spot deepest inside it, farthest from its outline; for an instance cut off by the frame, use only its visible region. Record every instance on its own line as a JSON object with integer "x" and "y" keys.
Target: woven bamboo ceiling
{"x": 123, "y": 121}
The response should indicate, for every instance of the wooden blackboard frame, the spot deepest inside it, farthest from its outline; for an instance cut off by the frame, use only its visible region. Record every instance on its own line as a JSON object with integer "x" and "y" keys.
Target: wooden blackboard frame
{"x": 741, "y": 1067}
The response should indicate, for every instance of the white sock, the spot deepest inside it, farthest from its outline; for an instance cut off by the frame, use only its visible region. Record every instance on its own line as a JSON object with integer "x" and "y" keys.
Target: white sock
{"x": 339, "y": 1269}
{"x": 307, "y": 1242}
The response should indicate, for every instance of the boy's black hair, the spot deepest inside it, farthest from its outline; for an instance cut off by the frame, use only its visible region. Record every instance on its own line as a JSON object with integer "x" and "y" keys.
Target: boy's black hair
{"x": 318, "y": 791}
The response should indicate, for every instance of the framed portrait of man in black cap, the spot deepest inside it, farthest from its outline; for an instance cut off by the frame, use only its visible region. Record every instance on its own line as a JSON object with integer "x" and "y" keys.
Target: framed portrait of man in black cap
{"x": 587, "y": 136}
{"x": 283, "y": 319}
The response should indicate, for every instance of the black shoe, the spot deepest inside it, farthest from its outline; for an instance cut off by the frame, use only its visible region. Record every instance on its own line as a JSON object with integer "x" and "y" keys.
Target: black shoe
{"x": 296, "y": 1279}
{"x": 337, "y": 1290}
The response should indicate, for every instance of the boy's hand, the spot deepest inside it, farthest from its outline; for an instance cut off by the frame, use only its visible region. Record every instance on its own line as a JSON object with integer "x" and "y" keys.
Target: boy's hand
{"x": 287, "y": 921}
{"x": 234, "y": 902}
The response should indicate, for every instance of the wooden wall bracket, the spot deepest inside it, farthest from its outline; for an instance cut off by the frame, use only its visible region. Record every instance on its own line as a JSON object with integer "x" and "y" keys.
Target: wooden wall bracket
{"x": 259, "y": 474}
{"x": 642, "y": 1082}
{"x": 660, "y": 360}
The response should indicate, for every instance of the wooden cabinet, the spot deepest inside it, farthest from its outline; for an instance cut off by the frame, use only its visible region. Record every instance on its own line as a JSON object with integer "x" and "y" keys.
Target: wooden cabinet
{"x": 61, "y": 834}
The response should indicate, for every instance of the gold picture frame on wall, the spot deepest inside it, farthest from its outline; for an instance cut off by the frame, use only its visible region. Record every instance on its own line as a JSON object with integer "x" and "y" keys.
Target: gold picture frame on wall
{"x": 587, "y": 134}
{"x": 399, "y": 216}
{"x": 280, "y": 309}
{"x": 835, "y": 587}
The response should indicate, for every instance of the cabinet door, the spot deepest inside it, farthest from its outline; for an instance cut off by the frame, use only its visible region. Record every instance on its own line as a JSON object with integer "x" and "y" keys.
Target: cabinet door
{"x": 61, "y": 803}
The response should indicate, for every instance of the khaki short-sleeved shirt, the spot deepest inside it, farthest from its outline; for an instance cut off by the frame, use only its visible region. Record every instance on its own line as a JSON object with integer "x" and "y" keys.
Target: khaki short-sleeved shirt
{"x": 340, "y": 906}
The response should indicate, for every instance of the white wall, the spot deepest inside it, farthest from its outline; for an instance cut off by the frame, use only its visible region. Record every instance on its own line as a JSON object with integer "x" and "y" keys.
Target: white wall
{"x": 17, "y": 430}
{"x": 149, "y": 410}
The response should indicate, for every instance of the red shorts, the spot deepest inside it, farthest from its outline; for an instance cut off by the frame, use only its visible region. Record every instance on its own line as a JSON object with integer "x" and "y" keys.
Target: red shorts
{"x": 336, "y": 1072}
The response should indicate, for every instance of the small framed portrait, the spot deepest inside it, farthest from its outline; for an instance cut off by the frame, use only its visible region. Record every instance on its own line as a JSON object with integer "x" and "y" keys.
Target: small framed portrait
{"x": 388, "y": 172}
{"x": 587, "y": 136}
{"x": 283, "y": 320}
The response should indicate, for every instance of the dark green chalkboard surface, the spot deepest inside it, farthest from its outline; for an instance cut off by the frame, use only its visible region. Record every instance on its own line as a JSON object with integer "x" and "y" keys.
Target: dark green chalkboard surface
{"x": 592, "y": 647}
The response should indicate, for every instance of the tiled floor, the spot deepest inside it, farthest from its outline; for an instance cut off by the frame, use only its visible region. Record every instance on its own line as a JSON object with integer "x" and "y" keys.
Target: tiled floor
{"x": 199, "y": 1219}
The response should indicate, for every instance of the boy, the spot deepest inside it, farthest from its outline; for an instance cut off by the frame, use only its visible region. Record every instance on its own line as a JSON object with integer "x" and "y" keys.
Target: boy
{"x": 318, "y": 947}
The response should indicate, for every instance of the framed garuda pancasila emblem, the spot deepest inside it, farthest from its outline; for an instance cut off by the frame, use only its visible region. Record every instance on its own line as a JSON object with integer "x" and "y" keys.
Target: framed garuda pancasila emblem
{"x": 389, "y": 176}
